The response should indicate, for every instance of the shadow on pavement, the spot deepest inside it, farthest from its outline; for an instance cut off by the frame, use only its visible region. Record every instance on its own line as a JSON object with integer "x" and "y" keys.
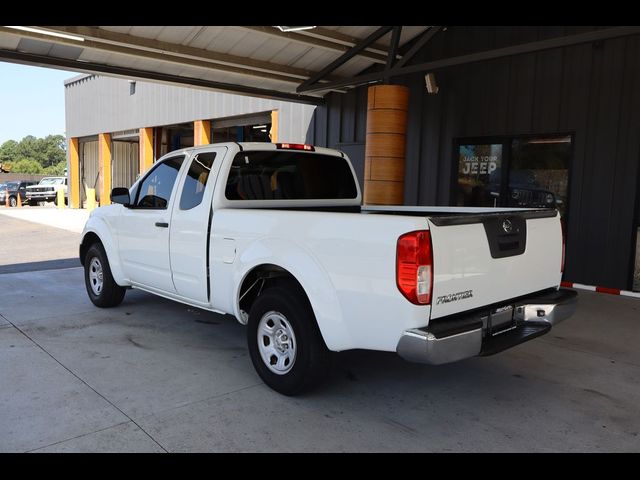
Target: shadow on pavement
{"x": 44, "y": 265}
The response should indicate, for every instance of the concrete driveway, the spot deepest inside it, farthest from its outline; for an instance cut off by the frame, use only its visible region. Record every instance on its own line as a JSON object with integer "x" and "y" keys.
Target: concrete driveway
{"x": 153, "y": 375}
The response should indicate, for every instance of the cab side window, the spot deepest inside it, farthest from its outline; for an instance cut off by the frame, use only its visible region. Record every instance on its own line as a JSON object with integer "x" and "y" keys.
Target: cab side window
{"x": 196, "y": 180}
{"x": 155, "y": 190}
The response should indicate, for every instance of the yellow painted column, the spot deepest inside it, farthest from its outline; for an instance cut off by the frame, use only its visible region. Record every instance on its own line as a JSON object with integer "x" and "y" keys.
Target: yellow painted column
{"x": 104, "y": 168}
{"x": 384, "y": 162}
{"x": 273, "y": 133}
{"x": 201, "y": 132}
{"x": 74, "y": 173}
{"x": 145, "y": 149}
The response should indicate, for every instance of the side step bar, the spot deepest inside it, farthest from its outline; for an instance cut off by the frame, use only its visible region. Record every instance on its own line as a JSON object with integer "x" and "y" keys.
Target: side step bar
{"x": 498, "y": 343}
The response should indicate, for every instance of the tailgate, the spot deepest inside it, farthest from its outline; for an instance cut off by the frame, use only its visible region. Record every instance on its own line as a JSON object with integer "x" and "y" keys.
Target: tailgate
{"x": 484, "y": 259}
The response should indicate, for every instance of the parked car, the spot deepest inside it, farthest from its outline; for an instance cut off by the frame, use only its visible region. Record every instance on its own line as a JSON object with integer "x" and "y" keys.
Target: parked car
{"x": 275, "y": 235}
{"x": 12, "y": 190}
{"x": 46, "y": 190}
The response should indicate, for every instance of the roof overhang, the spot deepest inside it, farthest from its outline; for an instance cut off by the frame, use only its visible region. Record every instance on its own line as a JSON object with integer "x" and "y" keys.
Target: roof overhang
{"x": 299, "y": 65}
{"x": 260, "y": 61}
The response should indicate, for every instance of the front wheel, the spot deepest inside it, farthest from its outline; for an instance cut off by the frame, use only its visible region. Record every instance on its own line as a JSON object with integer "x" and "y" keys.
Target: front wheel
{"x": 103, "y": 291}
{"x": 285, "y": 344}
{"x": 12, "y": 201}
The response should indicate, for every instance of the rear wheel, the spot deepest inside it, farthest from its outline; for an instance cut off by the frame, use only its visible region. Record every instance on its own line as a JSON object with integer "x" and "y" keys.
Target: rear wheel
{"x": 285, "y": 344}
{"x": 103, "y": 291}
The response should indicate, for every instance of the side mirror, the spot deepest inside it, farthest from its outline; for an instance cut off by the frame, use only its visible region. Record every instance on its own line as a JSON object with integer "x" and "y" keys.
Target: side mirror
{"x": 120, "y": 195}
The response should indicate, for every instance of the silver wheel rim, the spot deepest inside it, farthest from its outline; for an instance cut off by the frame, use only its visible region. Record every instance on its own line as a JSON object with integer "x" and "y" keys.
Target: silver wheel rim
{"x": 13, "y": 202}
{"x": 96, "y": 278}
{"x": 277, "y": 343}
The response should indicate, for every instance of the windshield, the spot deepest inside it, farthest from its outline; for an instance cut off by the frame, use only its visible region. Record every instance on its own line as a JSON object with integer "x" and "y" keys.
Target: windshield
{"x": 52, "y": 181}
{"x": 13, "y": 185}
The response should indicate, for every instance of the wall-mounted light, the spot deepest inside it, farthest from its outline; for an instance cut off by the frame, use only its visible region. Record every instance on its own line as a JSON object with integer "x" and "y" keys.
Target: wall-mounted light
{"x": 47, "y": 32}
{"x": 293, "y": 29}
{"x": 430, "y": 82}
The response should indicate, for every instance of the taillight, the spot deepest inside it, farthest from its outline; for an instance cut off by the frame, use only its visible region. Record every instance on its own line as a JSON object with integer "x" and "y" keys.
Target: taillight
{"x": 414, "y": 266}
{"x": 295, "y": 146}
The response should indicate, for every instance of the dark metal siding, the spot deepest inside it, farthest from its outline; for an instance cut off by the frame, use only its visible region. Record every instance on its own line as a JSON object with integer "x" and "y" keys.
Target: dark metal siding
{"x": 591, "y": 90}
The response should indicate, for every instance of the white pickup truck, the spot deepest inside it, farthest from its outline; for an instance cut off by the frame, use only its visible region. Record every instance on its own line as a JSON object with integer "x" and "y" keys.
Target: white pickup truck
{"x": 275, "y": 235}
{"x": 46, "y": 190}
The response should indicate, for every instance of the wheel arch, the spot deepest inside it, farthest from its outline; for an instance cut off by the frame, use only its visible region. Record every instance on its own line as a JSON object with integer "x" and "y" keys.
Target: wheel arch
{"x": 285, "y": 261}
{"x": 97, "y": 232}
{"x": 262, "y": 277}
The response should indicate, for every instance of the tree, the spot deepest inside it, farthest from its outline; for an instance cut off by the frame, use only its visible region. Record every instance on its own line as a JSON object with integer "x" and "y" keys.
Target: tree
{"x": 29, "y": 148}
{"x": 57, "y": 169}
{"x": 54, "y": 150}
{"x": 47, "y": 152}
{"x": 26, "y": 165}
{"x": 9, "y": 151}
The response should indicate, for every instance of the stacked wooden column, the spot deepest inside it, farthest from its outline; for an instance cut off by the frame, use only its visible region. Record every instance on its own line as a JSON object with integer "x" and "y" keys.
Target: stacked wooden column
{"x": 385, "y": 146}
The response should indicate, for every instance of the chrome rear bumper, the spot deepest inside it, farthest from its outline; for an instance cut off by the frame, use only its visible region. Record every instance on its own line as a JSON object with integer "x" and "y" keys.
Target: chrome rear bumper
{"x": 470, "y": 336}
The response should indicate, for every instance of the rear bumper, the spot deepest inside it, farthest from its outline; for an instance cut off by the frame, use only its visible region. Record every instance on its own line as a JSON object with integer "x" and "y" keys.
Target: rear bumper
{"x": 469, "y": 336}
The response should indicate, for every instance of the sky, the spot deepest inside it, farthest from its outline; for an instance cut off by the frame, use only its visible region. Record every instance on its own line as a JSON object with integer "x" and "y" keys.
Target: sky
{"x": 31, "y": 101}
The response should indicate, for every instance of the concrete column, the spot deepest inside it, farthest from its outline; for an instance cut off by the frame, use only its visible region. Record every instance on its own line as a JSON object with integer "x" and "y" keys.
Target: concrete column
{"x": 385, "y": 146}
{"x": 273, "y": 133}
{"x": 201, "y": 132}
{"x": 145, "y": 147}
{"x": 104, "y": 167}
{"x": 74, "y": 173}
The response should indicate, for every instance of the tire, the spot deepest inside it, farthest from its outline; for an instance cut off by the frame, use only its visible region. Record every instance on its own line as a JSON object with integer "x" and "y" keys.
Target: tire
{"x": 287, "y": 310}
{"x": 13, "y": 201}
{"x": 109, "y": 293}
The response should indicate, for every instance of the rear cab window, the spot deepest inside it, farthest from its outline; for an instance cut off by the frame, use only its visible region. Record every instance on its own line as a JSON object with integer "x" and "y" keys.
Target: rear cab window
{"x": 289, "y": 175}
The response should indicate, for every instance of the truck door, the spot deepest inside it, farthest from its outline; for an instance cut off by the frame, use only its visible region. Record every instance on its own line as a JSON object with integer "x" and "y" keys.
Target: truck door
{"x": 191, "y": 225}
{"x": 143, "y": 229}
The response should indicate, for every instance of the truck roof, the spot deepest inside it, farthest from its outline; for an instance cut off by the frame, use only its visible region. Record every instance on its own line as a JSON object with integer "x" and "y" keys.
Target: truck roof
{"x": 255, "y": 146}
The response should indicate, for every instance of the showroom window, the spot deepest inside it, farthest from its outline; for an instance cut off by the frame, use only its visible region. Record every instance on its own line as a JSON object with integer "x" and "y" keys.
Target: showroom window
{"x": 522, "y": 171}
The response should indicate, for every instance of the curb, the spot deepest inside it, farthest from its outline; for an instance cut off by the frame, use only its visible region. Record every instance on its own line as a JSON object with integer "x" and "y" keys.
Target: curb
{"x": 611, "y": 291}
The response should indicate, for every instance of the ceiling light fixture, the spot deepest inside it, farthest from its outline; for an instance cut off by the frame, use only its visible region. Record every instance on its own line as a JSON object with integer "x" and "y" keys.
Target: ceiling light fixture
{"x": 46, "y": 32}
{"x": 293, "y": 29}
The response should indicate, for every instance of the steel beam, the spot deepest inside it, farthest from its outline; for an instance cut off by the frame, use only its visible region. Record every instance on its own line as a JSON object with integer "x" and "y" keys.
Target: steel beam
{"x": 481, "y": 56}
{"x": 421, "y": 42}
{"x": 393, "y": 50}
{"x": 92, "y": 67}
{"x": 316, "y": 42}
{"x": 180, "y": 51}
{"x": 339, "y": 37}
{"x": 345, "y": 57}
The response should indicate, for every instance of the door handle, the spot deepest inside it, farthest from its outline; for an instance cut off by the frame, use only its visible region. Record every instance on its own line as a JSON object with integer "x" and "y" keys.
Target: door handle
{"x": 162, "y": 224}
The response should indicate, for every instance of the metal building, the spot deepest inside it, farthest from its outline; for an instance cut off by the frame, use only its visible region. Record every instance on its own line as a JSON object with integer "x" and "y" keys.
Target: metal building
{"x": 555, "y": 111}
{"x": 120, "y": 127}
